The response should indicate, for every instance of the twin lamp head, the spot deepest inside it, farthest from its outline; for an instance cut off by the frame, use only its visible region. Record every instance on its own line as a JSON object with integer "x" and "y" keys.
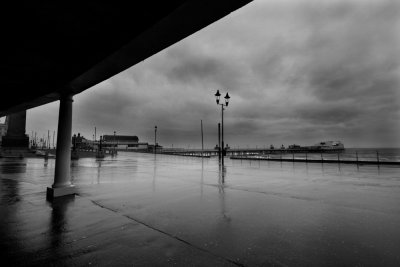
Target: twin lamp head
{"x": 218, "y": 95}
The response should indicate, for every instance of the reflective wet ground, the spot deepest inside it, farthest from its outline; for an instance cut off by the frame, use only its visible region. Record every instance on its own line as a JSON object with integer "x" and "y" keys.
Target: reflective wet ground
{"x": 159, "y": 210}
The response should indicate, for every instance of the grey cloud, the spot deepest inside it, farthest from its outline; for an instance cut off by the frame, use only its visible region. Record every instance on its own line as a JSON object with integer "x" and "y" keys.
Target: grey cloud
{"x": 190, "y": 64}
{"x": 189, "y": 67}
{"x": 297, "y": 71}
{"x": 328, "y": 114}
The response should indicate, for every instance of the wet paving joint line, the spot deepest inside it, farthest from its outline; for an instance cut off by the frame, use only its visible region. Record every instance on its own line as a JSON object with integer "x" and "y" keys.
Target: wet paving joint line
{"x": 184, "y": 241}
{"x": 170, "y": 235}
{"x": 104, "y": 207}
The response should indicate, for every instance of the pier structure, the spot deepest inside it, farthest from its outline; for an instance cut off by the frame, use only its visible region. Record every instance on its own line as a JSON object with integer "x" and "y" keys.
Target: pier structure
{"x": 322, "y": 160}
{"x": 244, "y": 151}
{"x": 283, "y": 155}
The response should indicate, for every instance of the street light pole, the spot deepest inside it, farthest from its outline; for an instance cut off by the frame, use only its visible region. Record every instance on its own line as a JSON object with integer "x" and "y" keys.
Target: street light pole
{"x": 222, "y": 134}
{"x": 155, "y": 139}
{"x": 227, "y": 97}
{"x": 114, "y": 144}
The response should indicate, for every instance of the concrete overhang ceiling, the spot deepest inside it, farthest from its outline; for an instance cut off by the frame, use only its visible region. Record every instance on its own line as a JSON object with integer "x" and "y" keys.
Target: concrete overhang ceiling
{"x": 54, "y": 47}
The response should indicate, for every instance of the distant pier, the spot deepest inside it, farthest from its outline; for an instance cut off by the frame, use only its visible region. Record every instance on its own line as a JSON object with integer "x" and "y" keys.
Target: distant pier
{"x": 284, "y": 155}
{"x": 241, "y": 151}
{"x": 337, "y": 161}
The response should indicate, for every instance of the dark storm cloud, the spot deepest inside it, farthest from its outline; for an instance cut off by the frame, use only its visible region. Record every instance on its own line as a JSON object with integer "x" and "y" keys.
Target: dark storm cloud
{"x": 297, "y": 71}
{"x": 353, "y": 64}
{"x": 359, "y": 56}
{"x": 196, "y": 65}
{"x": 188, "y": 66}
{"x": 323, "y": 114}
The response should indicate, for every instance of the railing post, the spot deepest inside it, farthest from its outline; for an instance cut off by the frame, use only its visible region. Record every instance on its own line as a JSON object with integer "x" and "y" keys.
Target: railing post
{"x": 377, "y": 157}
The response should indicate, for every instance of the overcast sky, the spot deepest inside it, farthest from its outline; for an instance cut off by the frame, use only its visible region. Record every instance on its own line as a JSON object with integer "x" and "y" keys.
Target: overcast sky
{"x": 298, "y": 72}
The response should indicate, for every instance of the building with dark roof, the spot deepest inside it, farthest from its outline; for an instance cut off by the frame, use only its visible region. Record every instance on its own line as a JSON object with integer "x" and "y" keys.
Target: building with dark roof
{"x": 126, "y": 142}
{"x": 120, "y": 138}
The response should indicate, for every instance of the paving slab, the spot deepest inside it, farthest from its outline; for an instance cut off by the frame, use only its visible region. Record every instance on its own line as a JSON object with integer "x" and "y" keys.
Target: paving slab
{"x": 158, "y": 210}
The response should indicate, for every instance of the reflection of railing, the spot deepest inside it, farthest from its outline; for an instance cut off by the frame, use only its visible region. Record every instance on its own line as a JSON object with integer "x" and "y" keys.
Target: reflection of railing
{"x": 346, "y": 158}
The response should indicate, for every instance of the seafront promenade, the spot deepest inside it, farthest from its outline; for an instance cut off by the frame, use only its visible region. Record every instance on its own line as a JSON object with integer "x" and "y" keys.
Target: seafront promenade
{"x": 162, "y": 210}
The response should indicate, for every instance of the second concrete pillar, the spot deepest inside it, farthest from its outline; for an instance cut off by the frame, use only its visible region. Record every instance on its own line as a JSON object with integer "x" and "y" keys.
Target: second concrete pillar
{"x": 62, "y": 177}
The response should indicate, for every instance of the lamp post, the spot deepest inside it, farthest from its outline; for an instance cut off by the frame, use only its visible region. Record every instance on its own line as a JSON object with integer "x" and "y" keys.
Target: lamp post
{"x": 155, "y": 139}
{"x": 115, "y": 149}
{"x": 217, "y": 97}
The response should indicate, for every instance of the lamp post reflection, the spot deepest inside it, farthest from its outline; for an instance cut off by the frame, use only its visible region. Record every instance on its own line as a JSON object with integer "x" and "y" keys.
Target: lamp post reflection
{"x": 202, "y": 178}
{"x": 98, "y": 170}
{"x": 154, "y": 173}
{"x": 221, "y": 191}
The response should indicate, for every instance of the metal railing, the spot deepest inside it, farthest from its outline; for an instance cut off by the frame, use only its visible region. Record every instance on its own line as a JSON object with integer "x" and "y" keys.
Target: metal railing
{"x": 376, "y": 158}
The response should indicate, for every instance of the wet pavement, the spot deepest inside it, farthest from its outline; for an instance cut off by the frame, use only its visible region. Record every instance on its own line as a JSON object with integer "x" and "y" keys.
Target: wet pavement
{"x": 159, "y": 210}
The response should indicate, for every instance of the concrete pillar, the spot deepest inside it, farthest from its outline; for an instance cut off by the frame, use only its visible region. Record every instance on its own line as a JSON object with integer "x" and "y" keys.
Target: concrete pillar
{"x": 62, "y": 178}
{"x": 16, "y": 137}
